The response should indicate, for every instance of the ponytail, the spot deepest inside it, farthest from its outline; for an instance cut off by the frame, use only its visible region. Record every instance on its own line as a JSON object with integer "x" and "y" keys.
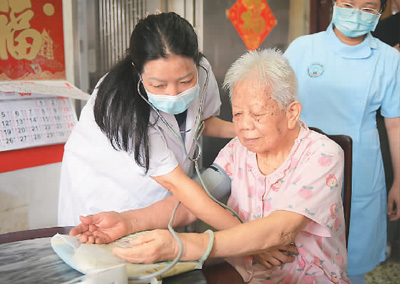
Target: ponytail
{"x": 122, "y": 114}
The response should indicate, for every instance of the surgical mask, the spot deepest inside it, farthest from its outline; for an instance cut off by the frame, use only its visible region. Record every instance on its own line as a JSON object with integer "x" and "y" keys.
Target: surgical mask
{"x": 174, "y": 104}
{"x": 354, "y": 22}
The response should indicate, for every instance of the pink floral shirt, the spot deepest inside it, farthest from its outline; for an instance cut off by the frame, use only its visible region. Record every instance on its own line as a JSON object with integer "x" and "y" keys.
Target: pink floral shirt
{"x": 307, "y": 183}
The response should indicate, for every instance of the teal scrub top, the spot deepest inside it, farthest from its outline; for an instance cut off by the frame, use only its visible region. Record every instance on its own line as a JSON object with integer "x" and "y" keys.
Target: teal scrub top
{"x": 341, "y": 88}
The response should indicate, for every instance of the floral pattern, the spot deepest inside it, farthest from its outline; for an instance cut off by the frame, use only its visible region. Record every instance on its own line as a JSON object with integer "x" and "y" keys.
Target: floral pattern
{"x": 308, "y": 183}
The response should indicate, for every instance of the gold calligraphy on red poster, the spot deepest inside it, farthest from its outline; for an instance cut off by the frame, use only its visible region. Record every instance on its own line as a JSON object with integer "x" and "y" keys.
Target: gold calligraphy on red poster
{"x": 31, "y": 40}
{"x": 253, "y": 20}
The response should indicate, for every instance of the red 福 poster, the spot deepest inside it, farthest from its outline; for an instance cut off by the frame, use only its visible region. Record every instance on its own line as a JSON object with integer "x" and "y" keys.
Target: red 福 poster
{"x": 31, "y": 48}
{"x": 31, "y": 40}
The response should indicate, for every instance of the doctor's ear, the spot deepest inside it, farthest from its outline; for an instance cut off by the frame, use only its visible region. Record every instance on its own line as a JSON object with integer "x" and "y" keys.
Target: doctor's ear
{"x": 293, "y": 114}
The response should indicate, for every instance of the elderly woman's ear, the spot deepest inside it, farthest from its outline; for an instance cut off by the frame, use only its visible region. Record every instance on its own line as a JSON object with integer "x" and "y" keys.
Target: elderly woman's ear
{"x": 292, "y": 114}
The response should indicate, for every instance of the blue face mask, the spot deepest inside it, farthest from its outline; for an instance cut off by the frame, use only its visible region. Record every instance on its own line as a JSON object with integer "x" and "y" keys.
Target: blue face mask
{"x": 354, "y": 22}
{"x": 174, "y": 104}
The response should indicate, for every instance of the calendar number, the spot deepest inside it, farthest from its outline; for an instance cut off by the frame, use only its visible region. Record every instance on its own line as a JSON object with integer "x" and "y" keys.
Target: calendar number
{"x": 35, "y": 122}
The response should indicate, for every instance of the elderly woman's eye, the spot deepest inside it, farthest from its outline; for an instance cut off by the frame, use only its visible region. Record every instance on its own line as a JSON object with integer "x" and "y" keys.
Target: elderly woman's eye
{"x": 258, "y": 114}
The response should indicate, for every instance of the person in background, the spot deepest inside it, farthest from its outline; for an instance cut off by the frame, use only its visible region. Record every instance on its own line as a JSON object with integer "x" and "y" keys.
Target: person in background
{"x": 345, "y": 76}
{"x": 388, "y": 29}
{"x": 128, "y": 149}
{"x": 286, "y": 185}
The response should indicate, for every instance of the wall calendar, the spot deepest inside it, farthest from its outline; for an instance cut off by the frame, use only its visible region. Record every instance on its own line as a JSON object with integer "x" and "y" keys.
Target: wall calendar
{"x": 35, "y": 122}
{"x": 32, "y": 115}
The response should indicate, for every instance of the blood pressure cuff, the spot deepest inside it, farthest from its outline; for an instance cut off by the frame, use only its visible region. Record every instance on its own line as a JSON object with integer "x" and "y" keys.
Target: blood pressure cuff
{"x": 216, "y": 180}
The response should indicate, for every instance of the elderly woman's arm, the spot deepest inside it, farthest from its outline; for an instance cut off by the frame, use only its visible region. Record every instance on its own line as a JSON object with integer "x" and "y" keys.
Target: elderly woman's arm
{"x": 279, "y": 228}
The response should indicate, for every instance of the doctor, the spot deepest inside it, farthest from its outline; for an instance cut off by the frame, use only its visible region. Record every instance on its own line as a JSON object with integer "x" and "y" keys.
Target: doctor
{"x": 345, "y": 75}
{"x": 127, "y": 150}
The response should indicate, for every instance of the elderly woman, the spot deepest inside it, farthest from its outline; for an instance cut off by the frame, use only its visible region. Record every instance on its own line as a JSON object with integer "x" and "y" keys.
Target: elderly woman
{"x": 286, "y": 185}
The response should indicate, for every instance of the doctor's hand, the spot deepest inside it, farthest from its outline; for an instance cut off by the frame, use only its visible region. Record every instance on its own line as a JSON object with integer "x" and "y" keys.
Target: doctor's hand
{"x": 101, "y": 228}
{"x": 276, "y": 256}
{"x": 150, "y": 247}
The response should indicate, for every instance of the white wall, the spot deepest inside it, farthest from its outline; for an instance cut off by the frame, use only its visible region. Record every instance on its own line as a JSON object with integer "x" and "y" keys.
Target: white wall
{"x": 28, "y": 198}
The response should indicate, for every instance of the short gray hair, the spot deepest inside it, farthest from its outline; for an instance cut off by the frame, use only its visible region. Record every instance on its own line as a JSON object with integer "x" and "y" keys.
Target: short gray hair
{"x": 271, "y": 68}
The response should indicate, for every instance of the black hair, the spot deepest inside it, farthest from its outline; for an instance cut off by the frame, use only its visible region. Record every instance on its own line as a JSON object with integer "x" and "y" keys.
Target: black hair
{"x": 119, "y": 110}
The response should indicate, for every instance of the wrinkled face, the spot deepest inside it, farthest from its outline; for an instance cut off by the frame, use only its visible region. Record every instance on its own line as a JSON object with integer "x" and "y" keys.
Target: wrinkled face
{"x": 169, "y": 76}
{"x": 259, "y": 122}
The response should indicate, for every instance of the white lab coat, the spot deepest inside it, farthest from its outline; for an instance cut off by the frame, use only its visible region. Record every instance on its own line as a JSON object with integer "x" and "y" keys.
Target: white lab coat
{"x": 96, "y": 178}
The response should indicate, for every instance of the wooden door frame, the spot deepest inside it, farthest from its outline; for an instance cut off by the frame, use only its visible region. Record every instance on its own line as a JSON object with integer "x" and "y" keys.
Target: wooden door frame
{"x": 320, "y": 15}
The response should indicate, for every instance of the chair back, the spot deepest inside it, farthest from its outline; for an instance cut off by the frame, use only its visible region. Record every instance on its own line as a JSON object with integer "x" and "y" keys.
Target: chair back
{"x": 346, "y": 143}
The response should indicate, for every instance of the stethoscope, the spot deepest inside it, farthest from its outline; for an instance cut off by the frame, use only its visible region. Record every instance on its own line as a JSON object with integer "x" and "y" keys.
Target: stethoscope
{"x": 199, "y": 127}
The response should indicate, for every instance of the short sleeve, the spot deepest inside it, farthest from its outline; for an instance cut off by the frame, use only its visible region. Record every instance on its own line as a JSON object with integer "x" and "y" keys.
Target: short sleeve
{"x": 391, "y": 100}
{"x": 162, "y": 159}
{"x": 315, "y": 187}
{"x": 225, "y": 157}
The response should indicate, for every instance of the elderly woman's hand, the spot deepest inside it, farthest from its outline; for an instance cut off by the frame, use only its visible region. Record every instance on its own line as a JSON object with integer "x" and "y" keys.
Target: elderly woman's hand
{"x": 150, "y": 247}
{"x": 276, "y": 256}
{"x": 101, "y": 228}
